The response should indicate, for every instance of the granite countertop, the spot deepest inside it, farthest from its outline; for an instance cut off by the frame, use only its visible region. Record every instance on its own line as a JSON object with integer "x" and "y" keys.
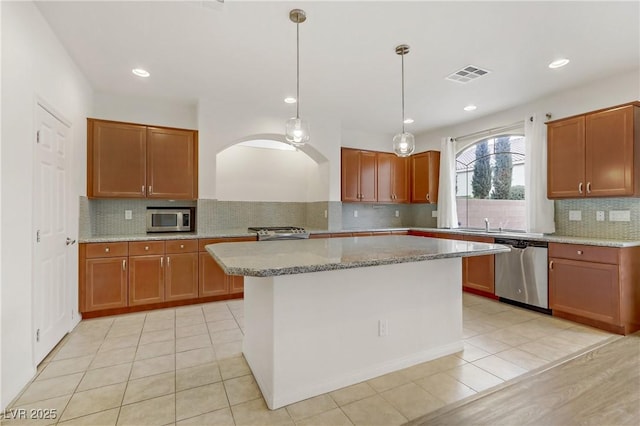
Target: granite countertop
{"x": 270, "y": 258}
{"x": 591, "y": 241}
{"x": 242, "y": 232}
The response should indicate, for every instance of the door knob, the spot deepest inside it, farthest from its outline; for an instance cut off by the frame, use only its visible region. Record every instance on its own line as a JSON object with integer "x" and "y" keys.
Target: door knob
{"x": 70, "y": 241}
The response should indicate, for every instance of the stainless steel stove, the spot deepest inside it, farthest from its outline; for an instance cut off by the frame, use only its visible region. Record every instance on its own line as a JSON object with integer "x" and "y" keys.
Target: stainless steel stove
{"x": 266, "y": 233}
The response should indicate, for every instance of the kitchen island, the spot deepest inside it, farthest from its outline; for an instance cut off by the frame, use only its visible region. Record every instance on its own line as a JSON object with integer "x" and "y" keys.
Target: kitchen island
{"x": 328, "y": 313}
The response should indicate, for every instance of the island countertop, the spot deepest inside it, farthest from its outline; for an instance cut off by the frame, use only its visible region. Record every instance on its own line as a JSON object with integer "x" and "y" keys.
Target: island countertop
{"x": 271, "y": 258}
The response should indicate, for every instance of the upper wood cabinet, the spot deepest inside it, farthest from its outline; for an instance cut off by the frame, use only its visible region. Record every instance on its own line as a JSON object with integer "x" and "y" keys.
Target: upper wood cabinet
{"x": 425, "y": 170}
{"x": 359, "y": 175}
{"x": 595, "y": 154}
{"x": 393, "y": 178}
{"x": 127, "y": 160}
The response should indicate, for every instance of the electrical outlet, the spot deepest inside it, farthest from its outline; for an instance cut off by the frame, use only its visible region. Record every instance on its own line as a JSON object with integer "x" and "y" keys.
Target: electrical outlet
{"x": 434, "y": 213}
{"x": 575, "y": 214}
{"x": 620, "y": 216}
{"x": 383, "y": 328}
{"x": 355, "y": 213}
{"x": 128, "y": 214}
{"x": 600, "y": 216}
{"x": 397, "y": 213}
{"x": 325, "y": 214}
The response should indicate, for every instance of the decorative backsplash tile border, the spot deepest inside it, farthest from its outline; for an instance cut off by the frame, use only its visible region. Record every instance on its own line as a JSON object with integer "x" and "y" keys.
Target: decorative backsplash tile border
{"x": 590, "y": 227}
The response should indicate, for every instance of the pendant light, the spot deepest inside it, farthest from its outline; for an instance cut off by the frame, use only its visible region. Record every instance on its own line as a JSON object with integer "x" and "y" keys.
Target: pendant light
{"x": 297, "y": 129}
{"x": 403, "y": 143}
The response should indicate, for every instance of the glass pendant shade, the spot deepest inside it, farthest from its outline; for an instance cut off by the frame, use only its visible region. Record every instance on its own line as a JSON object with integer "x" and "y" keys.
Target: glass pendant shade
{"x": 297, "y": 131}
{"x": 404, "y": 144}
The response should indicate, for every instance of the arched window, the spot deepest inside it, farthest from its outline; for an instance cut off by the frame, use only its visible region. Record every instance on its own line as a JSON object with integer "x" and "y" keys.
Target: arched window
{"x": 490, "y": 183}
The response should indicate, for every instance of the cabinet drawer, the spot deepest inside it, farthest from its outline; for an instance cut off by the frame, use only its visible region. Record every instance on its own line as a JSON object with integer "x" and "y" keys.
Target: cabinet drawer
{"x": 181, "y": 246}
{"x": 96, "y": 250}
{"x": 142, "y": 248}
{"x": 584, "y": 252}
{"x": 206, "y": 241}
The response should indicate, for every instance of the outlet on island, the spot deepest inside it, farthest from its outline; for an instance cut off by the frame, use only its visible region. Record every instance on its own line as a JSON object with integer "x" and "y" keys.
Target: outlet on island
{"x": 355, "y": 213}
{"x": 383, "y": 328}
{"x": 128, "y": 214}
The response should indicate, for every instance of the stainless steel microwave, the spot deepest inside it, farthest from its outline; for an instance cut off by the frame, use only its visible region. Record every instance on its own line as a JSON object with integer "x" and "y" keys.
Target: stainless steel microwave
{"x": 169, "y": 219}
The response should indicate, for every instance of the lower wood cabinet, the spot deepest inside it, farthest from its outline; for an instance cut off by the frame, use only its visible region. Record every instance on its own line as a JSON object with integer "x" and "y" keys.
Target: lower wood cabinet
{"x": 478, "y": 272}
{"x": 103, "y": 276}
{"x": 212, "y": 279}
{"x": 597, "y": 286}
{"x": 146, "y": 280}
{"x": 181, "y": 273}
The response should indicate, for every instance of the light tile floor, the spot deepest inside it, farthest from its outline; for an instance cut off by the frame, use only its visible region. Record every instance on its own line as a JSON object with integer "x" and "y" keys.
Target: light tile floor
{"x": 184, "y": 366}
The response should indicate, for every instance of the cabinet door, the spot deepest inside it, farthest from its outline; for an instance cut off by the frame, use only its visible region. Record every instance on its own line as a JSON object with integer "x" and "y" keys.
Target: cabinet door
{"x": 212, "y": 279}
{"x": 146, "y": 279}
{"x": 105, "y": 281}
{"x": 350, "y": 166}
{"x": 401, "y": 179}
{"x": 236, "y": 284}
{"x": 478, "y": 272}
{"x": 116, "y": 160}
{"x": 609, "y": 153}
{"x": 385, "y": 166}
{"x": 171, "y": 164}
{"x": 368, "y": 176}
{"x": 566, "y": 158}
{"x": 425, "y": 169}
{"x": 181, "y": 281}
{"x": 589, "y": 290}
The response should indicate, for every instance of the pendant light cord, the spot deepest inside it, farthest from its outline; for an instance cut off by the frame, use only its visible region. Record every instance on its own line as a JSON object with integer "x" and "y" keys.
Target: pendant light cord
{"x": 402, "y": 57}
{"x": 297, "y": 69}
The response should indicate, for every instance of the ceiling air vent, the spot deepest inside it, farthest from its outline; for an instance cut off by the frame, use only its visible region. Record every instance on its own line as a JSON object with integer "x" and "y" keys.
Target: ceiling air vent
{"x": 466, "y": 74}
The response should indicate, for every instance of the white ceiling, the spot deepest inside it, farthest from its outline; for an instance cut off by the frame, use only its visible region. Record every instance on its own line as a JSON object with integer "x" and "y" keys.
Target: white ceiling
{"x": 244, "y": 53}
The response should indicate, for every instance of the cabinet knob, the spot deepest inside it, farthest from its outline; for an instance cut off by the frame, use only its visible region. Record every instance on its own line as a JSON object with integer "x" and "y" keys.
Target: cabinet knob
{"x": 181, "y": 246}
{"x": 106, "y": 249}
{"x": 579, "y": 252}
{"x": 146, "y": 247}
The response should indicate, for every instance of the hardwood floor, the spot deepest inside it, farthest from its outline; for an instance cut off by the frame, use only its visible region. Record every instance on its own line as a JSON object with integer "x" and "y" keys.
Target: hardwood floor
{"x": 601, "y": 387}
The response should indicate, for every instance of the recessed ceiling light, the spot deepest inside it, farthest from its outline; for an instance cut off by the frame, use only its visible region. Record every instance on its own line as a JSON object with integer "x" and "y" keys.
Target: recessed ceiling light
{"x": 290, "y": 100}
{"x": 470, "y": 108}
{"x": 408, "y": 120}
{"x": 559, "y": 63}
{"x": 140, "y": 72}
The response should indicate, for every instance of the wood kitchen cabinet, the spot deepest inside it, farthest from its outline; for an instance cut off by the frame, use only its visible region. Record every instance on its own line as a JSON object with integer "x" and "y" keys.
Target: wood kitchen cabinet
{"x": 478, "y": 272}
{"x": 393, "y": 178}
{"x": 126, "y": 160}
{"x": 146, "y": 272}
{"x": 103, "y": 272}
{"x": 596, "y": 285}
{"x": 212, "y": 279}
{"x": 595, "y": 154}
{"x": 359, "y": 175}
{"x": 181, "y": 279}
{"x": 425, "y": 171}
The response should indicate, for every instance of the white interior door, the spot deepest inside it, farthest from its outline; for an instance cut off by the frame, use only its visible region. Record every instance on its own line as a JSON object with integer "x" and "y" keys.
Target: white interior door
{"x": 51, "y": 310}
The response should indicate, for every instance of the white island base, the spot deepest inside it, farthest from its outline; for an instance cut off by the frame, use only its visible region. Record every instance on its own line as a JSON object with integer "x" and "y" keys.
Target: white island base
{"x": 311, "y": 333}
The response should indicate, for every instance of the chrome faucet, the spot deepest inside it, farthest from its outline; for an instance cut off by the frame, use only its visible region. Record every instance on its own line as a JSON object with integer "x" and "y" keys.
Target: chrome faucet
{"x": 486, "y": 224}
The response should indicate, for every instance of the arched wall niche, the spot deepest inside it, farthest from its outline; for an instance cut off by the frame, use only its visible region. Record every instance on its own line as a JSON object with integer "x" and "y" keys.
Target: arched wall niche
{"x": 248, "y": 173}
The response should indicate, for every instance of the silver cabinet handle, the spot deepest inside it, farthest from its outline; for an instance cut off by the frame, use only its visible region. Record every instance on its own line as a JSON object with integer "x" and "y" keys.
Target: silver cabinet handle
{"x": 580, "y": 187}
{"x": 150, "y": 190}
{"x": 162, "y": 262}
{"x": 168, "y": 261}
{"x": 579, "y": 252}
{"x": 428, "y": 196}
{"x": 124, "y": 264}
{"x": 551, "y": 265}
{"x": 588, "y": 187}
{"x": 142, "y": 190}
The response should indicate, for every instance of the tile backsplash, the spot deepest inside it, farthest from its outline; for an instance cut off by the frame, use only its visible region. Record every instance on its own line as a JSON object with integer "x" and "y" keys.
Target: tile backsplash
{"x": 588, "y": 226}
{"x": 363, "y": 216}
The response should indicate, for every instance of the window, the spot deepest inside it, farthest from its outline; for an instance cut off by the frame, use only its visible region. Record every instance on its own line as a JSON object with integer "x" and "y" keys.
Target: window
{"x": 490, "y": 183}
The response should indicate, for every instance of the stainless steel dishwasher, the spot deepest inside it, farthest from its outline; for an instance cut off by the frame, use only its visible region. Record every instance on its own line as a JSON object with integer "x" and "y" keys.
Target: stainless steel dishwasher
{"x": 521, "y": 274}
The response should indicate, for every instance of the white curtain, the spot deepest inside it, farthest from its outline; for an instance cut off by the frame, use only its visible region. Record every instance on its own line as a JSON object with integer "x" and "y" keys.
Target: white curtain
{"x": 447, "y": 211}
{"x": 539, "y": 209}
